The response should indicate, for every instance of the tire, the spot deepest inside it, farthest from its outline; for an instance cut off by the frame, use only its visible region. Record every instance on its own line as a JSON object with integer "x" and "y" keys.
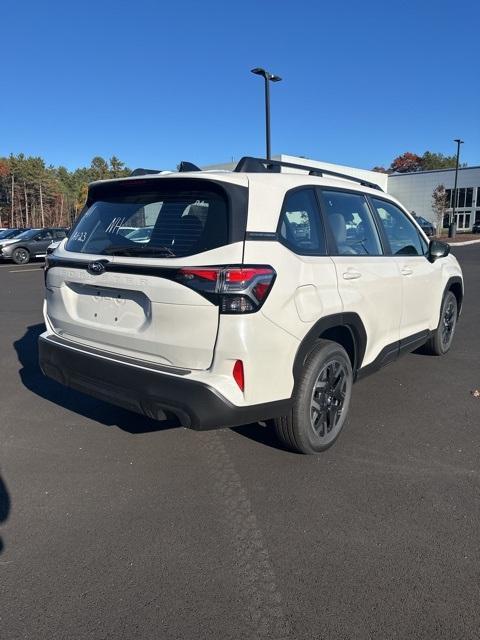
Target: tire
{"x": 325, "y": 384}
{"x": 21, "y": 256}
{"x": 441, "y": 339}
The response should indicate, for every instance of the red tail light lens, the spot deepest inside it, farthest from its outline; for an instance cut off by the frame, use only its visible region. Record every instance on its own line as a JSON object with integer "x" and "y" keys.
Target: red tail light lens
{"x": 203, "y": 274}
{"x": 245, "y": 275}
{"x": 238, "y": 374}
{"x": 234, "y": 289}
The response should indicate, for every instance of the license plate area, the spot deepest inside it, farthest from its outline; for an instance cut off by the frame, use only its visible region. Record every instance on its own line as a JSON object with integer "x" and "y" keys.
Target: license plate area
{"x": 120, "y": 309}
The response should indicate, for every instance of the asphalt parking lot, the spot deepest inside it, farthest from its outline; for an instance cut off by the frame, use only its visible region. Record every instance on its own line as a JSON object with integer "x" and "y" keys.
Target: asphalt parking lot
{"x": 113, "y": 526}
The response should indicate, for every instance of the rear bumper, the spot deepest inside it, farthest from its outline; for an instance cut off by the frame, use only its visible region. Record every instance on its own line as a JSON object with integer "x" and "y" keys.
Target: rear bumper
{"x": 146, "y": 391}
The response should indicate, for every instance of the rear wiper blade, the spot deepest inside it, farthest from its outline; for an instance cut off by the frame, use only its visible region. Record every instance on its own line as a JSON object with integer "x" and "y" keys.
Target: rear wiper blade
{"x": 122, "y": 250}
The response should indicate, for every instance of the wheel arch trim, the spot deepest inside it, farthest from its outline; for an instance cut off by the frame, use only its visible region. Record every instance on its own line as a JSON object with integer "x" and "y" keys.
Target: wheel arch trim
{"x": 348, "y": 320}
{"x": 452, "y": 284}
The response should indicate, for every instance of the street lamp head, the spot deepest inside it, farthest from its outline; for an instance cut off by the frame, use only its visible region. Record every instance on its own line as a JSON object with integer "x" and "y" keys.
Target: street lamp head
{"x": 458, "y": 141}
{"x": 266, "y": 74}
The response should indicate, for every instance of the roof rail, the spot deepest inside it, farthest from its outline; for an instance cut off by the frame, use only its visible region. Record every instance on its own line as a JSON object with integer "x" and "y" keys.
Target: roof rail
{"x": 262, "y": 165}
{"x": 144, "y": 172}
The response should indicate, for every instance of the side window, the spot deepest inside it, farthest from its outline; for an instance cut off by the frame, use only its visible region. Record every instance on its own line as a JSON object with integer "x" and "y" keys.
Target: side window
{"x": 300, "y": 225}
{"x": 402, "y": 235}
{"x": 46, "y": 235}
{"x": 59, "y": 234}
{"x": 351, "y": 223}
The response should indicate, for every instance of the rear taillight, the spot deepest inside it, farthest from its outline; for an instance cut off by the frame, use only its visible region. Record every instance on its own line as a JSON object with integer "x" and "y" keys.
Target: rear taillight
{"x": 234, "y": 289}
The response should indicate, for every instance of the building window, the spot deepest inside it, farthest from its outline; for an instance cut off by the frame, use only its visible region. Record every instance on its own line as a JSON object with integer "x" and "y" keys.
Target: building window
{"x": 469, "y": 197}
{"x": 464, "y": 197}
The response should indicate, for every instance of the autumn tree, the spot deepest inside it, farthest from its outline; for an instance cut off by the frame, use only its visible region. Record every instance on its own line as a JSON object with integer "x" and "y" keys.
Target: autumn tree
{"x": 439, "y": 206}
{"x": 411, "y": 162}
{"x": 406, "y": 163}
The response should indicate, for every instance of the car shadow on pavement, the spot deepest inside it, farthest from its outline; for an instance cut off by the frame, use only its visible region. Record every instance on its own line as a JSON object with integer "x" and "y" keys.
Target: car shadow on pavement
{"x": 86, "y": 406}
{"x": 4, "y": 507}
{"x": 264, "y": 434}
{"x": 107, "y": 414}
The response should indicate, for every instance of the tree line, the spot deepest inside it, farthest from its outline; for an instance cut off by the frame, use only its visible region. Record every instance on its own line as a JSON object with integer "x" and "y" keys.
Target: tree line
{"x": 33, "y": 194}
{"x": 411, "y": 162}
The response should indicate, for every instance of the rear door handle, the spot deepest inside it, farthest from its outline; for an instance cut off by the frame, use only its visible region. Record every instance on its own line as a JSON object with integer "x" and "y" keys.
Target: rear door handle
{"x": 351, "y": 274}
{"x": 406, "y": 271}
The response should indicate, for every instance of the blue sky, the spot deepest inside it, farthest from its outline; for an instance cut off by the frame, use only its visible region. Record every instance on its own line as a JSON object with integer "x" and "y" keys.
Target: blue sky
{"x": 155, "y": 82}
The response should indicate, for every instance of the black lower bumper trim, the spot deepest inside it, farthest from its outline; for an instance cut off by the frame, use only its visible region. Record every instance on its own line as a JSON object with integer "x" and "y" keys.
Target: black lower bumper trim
{"x": 149, "y": 392}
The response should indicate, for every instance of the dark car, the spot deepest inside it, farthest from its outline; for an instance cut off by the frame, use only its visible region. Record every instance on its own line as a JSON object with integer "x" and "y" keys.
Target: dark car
{"x": 426, "y": 226}
{"x": 476, "y": 227}
{"x": 7, "y": 234}
{"x": 30, "y": 244}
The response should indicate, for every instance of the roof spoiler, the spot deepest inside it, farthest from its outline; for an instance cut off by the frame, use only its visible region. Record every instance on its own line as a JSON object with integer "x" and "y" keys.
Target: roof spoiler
{"x": 262, "y": 165}
{"x": 144, "y": 172}
{"x": 183, "y": 166}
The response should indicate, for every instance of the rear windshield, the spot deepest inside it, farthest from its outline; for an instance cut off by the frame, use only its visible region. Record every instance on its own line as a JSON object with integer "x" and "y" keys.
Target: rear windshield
{"x": 169, "y": 222}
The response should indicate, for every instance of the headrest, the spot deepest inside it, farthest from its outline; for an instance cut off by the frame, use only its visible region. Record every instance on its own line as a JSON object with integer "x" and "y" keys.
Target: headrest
{"x": 339, "y": 228}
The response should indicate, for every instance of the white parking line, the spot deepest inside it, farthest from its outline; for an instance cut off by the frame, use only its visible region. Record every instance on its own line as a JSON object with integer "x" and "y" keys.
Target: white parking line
{"x": 9, "y": 265}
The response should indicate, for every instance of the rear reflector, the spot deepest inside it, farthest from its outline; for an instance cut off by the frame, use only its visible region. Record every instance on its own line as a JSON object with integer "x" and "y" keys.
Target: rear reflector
{"x": 238, "y": 374}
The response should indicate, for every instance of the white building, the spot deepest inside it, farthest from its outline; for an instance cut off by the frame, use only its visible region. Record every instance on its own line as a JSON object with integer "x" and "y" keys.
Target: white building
{"x": 414, "y": 190}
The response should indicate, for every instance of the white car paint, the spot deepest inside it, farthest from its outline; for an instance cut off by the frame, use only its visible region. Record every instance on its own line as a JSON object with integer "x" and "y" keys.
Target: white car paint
{"x": 160, "y": 322}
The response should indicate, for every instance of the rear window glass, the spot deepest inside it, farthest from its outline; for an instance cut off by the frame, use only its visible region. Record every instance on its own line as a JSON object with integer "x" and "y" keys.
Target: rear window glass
{"x": 167, "y": 223}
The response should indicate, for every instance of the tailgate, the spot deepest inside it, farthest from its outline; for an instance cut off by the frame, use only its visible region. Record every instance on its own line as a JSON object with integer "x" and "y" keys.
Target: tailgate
{"x": 113, "y": 284}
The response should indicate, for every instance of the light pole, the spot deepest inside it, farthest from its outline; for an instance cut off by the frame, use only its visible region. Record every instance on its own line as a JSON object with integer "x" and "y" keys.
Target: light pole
{"x": 268, "y": 77}
{"x": 452, "y": 229}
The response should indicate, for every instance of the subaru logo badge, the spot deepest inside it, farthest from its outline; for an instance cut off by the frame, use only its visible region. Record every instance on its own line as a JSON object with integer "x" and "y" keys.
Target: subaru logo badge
{"x": 96, "y": 268}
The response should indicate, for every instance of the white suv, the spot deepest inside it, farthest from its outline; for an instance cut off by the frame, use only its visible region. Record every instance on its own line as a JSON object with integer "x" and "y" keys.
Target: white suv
{"x": 258, "y": 294}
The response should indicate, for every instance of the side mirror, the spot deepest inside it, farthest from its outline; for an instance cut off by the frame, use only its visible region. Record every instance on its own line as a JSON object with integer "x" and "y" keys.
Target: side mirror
{"x": 438, "y": 249}
{"x": 51, "y": 248}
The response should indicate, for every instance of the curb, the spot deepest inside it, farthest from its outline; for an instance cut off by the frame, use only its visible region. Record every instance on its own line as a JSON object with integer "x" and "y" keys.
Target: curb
{"x": 463, "y": 244}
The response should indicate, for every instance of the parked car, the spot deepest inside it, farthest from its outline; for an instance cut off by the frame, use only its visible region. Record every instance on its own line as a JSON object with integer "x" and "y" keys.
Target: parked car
{"x": 259, "y": 294}
{"x": 426, "y": 226}
{"x": 7, "y": 234}
{"x": 29, "y": 244}
{"x": 476, "y": 227}
{"x": 140, "y": 235}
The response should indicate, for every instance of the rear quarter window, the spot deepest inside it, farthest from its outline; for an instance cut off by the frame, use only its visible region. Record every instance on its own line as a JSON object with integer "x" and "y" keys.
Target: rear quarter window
{"x": 300, "y": 227}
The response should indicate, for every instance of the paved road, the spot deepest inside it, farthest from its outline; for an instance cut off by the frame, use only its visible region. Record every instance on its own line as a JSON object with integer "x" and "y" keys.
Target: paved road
{"x": 117, "y": 527}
